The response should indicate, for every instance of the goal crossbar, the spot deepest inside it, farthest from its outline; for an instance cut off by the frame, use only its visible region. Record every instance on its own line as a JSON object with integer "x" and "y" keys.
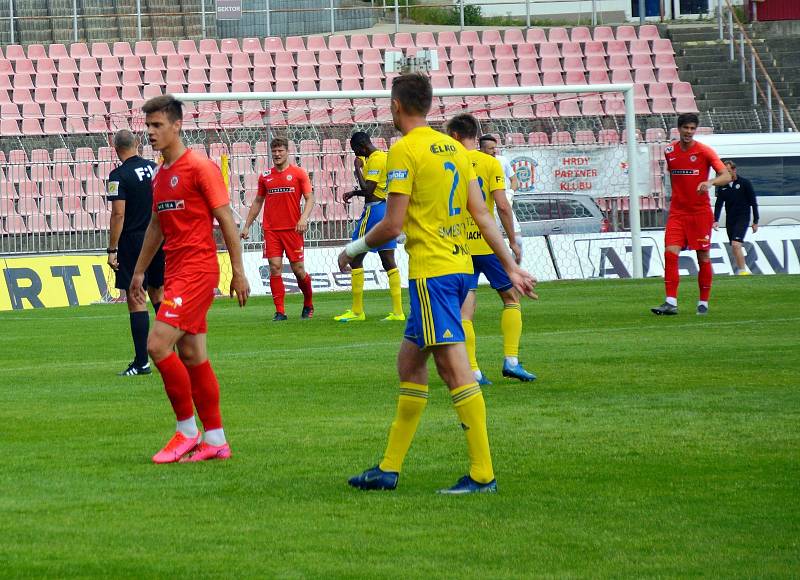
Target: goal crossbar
{"x": 625, "y": 88}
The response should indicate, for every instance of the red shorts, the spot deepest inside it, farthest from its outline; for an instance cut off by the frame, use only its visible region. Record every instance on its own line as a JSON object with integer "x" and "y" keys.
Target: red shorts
{"x": 187, "y": 298}
{"x": 280, "y": 242}
{"x": 689, "y": 231}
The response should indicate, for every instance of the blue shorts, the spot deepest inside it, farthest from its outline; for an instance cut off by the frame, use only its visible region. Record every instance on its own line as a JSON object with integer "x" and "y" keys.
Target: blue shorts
{"x": 489, "y": 265}
{"x": 372, "y": 214}
{"x": 435, "y": 316}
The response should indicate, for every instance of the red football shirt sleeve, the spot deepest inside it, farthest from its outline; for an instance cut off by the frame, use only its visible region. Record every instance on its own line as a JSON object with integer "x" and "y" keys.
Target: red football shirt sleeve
{"x": 305, "y": 182}
{"x": 262, "y": 186}
{"x": 713, "y": 159}
{"x": 209, "y": 182}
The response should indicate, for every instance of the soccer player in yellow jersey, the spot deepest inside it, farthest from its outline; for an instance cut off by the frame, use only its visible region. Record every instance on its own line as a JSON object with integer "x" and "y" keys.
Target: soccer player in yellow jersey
{"x": 371, "y": 175}
{"x": 491, "y": 178}
{"x": 432, "y": 188}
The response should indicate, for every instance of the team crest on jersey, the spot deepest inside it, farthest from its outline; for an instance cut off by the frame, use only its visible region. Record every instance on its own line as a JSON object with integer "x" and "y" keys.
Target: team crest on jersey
{"x": 737, "y": 186}
{"x": 693, "y": 158}
{"x": 525, "y": 169}
{"x": 171, "y": 205}
{"x": 289, "y": 177}
{"x": 113, "y": 189}
{"x": 174, "y": 181}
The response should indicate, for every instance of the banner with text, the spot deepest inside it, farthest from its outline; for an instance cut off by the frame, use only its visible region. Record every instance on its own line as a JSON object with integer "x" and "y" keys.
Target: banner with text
{"x": 771, "y": 250}
{"x": 596, "y": 170}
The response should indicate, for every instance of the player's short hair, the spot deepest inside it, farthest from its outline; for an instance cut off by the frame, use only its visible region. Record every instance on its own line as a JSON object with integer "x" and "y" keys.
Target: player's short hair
{"x": 463, "y": 125}
{"x": 687, "y": 118}
{"x": 360, "y": 139}
{"x": 279, "y": 142}
{"x": 487, "y": 137}
{"x": 730, "y": 162}
{"x": 124, "y": 139}
{"x": 414, "y": 91}
{"x": 171, "y": 106}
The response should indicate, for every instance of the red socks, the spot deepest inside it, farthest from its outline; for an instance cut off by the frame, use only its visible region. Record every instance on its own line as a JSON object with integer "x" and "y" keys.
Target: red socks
{"x": 178, "y": 385}
{"x": 704, "y": 278}
{"x": 205, "y": 392}
{"x": 305, "y": 288}
{"x": 671, "y": 276}
{"x": 278, "y": 293}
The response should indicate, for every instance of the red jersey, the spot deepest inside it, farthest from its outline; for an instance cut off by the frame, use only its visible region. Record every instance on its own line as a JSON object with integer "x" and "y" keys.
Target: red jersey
{"x": 184, "y": 195}
{"x": 282, "y": 191}
{"x": 687, "y": 170}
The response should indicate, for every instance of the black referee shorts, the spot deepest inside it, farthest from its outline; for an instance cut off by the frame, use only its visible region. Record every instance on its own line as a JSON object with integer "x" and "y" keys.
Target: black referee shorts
{"x": 130, "y": 245}
{"x": 737, "y": 227}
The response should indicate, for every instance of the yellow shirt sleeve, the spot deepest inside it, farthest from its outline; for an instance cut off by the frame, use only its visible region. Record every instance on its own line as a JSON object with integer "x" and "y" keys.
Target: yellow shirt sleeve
{"x": 497, "y": 177}
{"x": 400, "y": 168}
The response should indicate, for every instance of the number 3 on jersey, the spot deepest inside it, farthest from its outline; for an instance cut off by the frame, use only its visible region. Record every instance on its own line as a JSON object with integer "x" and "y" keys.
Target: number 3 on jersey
{"x": 450, "y": 167}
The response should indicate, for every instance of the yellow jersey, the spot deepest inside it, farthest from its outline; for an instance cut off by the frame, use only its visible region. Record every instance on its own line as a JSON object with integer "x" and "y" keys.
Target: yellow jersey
{"x": 375, "y": 170}
{"x": 491, "y": 177}
{"x": 434, "y": 170}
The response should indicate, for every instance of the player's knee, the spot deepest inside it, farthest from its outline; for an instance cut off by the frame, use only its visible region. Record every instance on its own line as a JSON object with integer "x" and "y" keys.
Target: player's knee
{"x": 509, "y": 296}
{"x": 299, "y": 270}
{"x": 387, "y": 261}
{"x": 157, "y": 347}
{"x": 274, "y": 269}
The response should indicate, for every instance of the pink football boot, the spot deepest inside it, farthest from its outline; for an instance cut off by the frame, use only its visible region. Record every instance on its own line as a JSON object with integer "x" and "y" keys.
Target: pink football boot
{"x": 177, "y": 447}
{"x": 204, "y": 452}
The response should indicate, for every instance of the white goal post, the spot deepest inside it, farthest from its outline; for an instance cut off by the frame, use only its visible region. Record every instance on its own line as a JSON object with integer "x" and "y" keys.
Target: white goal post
{"x": 635, "y": 171}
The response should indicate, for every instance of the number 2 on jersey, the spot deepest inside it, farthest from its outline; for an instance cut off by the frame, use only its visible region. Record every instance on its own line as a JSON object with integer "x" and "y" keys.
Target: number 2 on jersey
{"x": 448, "y": 166}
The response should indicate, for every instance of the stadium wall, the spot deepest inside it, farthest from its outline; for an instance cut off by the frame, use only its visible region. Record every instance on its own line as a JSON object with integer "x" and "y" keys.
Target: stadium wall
{"x": 78, "y": 280}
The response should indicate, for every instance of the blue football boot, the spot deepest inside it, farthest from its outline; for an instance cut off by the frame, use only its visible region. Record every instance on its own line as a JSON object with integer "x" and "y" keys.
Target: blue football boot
{"x": 375, "y": 478}
{"x": 468, "y": 485}
{"x": 517, "y": 372}
{"x": 484, "y": 381}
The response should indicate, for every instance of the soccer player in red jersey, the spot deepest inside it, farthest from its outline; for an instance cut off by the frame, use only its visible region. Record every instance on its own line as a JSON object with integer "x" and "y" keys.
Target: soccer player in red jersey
{"x": 279, "y": 192}
{"x": 690, "y": 217}
{"x": 188, "y": 194}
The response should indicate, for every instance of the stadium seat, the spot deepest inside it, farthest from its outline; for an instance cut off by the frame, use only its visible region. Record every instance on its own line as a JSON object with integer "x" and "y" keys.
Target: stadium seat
{"x": 580, "y": 34}
{"x": 569, "y": 108}
{"x": 186, "y": 47}
{"x": 648, "y": 32}
{"x": 447, "y": 38}
{"x": 685, "y": 104}
{"x": 120, "y": 49}
{"x": 535, "y": 36}
{"x": 381, "y": 41}
{"x": 585, "y": 137}
{"x": 655, "y": 135}
{"x": 252, "y": 46}
{"x": 594, "y": 48}
{"x": 626, "y": 33}
{"x": 663, "y": 46}
{"x": 513, "y": 36}
{"x": 557, "y": 34}
{"x": 608, "y": 136}
{"x": 592, "y": 105}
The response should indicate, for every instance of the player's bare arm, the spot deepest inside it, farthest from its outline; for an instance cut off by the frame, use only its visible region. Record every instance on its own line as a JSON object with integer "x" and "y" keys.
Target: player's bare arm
{"x": 252, "y": 215}
{"x": 367, "y": 191}
{"x": 152, "y": 241}
{"x": 308, "y": 205}
{"x": 722, "y": 178}
{"x": 239, "y": 284}
{"x": 522, "y": 280}
{"x": 115, "y": 231}
{"x": 506, "y": 215}
{"x": 384, "y": 231}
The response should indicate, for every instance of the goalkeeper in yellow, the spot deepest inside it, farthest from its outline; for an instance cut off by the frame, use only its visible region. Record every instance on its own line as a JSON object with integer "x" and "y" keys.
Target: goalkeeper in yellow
{"x": 370, "y": 170}
{"x": 432, "y": 188}
{"x": 491, "y": 178}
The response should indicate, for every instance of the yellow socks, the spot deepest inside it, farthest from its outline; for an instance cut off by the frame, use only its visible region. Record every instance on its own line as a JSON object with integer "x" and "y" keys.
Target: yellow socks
{"x": 511, "y": 325}
{"x": 470, "y": 343}
{"x": 410, "y": 405}
{"x": 394, "y": 290}
{"x": 357, "y": 281}
{"x": 471, "y": 409}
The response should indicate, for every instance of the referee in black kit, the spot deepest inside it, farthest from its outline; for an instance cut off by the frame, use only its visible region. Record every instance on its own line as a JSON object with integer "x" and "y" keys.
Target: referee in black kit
{"x": 131, "y": 196}
{"x": 738, "y": 197}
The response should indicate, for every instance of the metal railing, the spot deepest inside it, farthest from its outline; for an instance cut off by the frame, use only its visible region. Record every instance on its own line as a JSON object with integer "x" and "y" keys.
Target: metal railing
{"x": 391, "y": 10}
{"x": 728, "y": 21}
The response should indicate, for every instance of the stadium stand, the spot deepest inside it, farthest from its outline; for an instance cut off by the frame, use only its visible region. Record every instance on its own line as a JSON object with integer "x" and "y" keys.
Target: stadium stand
{"x": 89, "y": 90}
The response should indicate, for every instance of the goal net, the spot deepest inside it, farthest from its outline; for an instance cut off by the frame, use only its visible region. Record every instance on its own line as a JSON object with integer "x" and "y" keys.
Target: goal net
{"x": 570, "y": 146}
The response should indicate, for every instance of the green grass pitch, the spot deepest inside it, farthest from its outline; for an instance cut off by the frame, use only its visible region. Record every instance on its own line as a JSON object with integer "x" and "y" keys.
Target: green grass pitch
{"x": 648, "y": 446}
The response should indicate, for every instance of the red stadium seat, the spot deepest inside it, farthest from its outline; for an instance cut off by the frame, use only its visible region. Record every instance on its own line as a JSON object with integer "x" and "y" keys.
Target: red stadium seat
{"x": 535, "y": 36}
{"x": 143, "y": 48}
{"x": 663, "y": 46}
{"x": 165, "y": 48}
{"x": 447, "y": 38}
{"x": 273, "y": 44}
{"x": 626, "y": 33}
{"x": 252, "y": 46}
{"x": 608, "y": 136}
{"x": 585, "y": 137}
{"x": 186, "y": 47}
{"x": 558, "y": 34}
{"x": 648, "y": 32}
{"x": 513, "y": 36}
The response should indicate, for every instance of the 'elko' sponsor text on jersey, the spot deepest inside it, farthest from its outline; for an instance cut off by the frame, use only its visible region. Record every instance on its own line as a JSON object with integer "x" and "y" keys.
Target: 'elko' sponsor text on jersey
{"x": 282, "y": 191}
{"x": 130, "y": 182}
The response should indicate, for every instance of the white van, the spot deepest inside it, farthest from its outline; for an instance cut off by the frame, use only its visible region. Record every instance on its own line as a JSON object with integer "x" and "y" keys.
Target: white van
{"x": 771, "y": 161}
